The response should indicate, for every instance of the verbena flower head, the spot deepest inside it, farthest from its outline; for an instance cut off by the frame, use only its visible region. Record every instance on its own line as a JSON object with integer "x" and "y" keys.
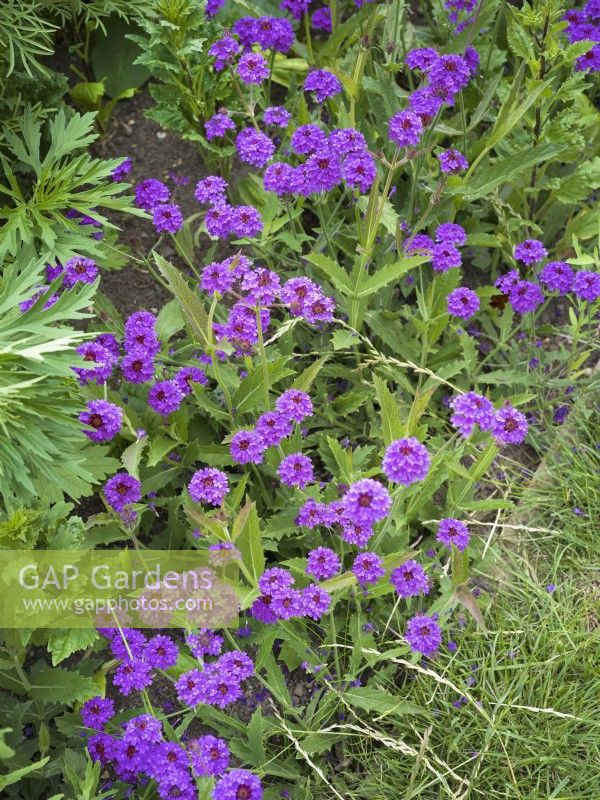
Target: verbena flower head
{"x": 254, "y": 147}
{"x": 449, "y": 74}
{"x": 217, "y": 278}
{"x": 406, "y": 461}
{"x": 138, "y": 365}
{"x": 323, "y": 563}
{"x": 167, "y": 218}
{"x": 209, "y": 755}
{"x": 144, "y": 727}
{"x": 95, "y": 713}
{"x": 246, "y": 222}
{"x": 186, "y": 376}
{"x": 323, "y": 83}
{"x": 462, "y": 302}
{"x": 219, "y": 221}
{"x": 368, "y": 568}
{"x": 213, "y": 7}
{"x": 160, "y": 652}
{"x": 132, "y": 675}
{"x": 151, "y": 193}
{"x": 508, "y": 281}
{"x": 253, "y": 68}
{"x": 119, "y": 173}
{"x": 208, "y": 485}
{"x": 356, "y": 533}
{"x": 405, "y": 129}
{"x": 313, "y": 514}
{"x": 509, "y": 425}
{"x": 104, "y": 418}
{"x": 425, "y": 103}
{"x": 530, "y": 252}
{"x": 444, "y": 257}
{"x": 80, "y": 270}
{"x": 452, "y": 162}
{"x": 316, "y": 601}
{"x": 450, "y": 233}
{"x": 224, "y": 51}
{"x": 273, "y": 33}
{"x": 165, "y": 397}
{"x": 557, "y": 276}
{"x": 211, "y": 191}
{"x": 100, "y": 360}
{"x": 279, "y": 178}
{"x": 287, "y": 604}
{"x": 275, "y": 580}
{"x": 238, "y": 784}
{"x": 359, "y": 170}
{"x": 307, "y": 139}
{"x": 453, "y": 532}
{"x": 320, "y": 20}
{"x": 471, "y": 409}
{"x": 277, "y": 116}
{"x": 322, "y": 170}
{"x": 347, "y": 140}
{"x": 423, "y": 634}
{"x": 273, "y": 428}
{"x": 525, "y": 296}
{"x": 206, "y": 642}
{"x": 409, "y": 579}
{"x": 247, "y": 447}
{"x": 586, "y": 285}
{"x": 217, "y": 126}
{"x": 421, "y": 58}
{"x": 296, "y": 470}
{"x": 420, "y": 243}
{"x": 366, "y": 501}
{"x": 294, "y": 404}
{"x": 121, "y": 490}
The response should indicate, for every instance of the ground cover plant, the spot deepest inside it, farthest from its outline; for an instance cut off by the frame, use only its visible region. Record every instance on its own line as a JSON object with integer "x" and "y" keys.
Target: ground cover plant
{"x": 370, "y": 384}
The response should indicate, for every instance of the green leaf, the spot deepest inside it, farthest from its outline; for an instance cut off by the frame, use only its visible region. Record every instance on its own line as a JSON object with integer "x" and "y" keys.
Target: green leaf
{"x": 170, "y": 320}
{"x": 191, "y": 304}
{"x": 250, "y": 393}
{"x": 387, "y": 274}
{"x": 380, "y": 702}
{"x": 88, "y": 95}
{"x": 113, "y": 55}
{"x": 248, "y": 540}
{"x": 63, "y": 643}
{"x": 336, "y": 274}
{"x": 62, "y": 686}
{"x": 305, "y": 380}
{"x": 391, "y": 422}
{"x": 16, "y": 775}
{"x": 131, "y": 456}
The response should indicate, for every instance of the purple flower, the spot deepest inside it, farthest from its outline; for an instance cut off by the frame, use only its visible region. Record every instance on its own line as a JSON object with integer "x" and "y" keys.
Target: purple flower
{"x": 206, "y": 642}
{"x": 145, "y": 728}
{"x": 209, "y": 755}
{"x": 425, "y": 103}
{"x": 508, "y": 281}
{"x": 557, "y": 276}
{"x": 321, "y": 20}
{"x": 124, "y": 168}
{"x": 307, "y": 139}
{"x": 238, "y": 784}
{"x": 368, "y": 568}
{"x": 121, "y": 490}
{"x": 219, "y": 221}
{"x": 453, "y": 532}
{"x": 287, "y": 604}
{"x": 25, "y": 305}
{"x": 254, "y": 147}
{"x": 530, "y": 251}
{"x": 322, "y": 171}
{"x": 586, "y": 285}
{"x": 296, "y": 7}
{"x": 165, "y": 397}
{"x": 452, "y": 162}
{"x": 276, "y": 115}
{"x": 217, "y": 126}
{"x": 161, "y": 652}
{"x": 406, "y": 461}
{"x": 316, "y": 601}
{"x": 272, "y": 33}
{"x": 422, "y": 58}
{"x": 245, "y": 29}
{"x": 213, "y": 7}
{"x": 217, "y": 278}
{"x": 80, "y": 270}
{"x": 253, "y": 68}
{"x": 323, "y": 83}
{"x": 366, "y": 502}
{"x": 188, "y": 375}
{"x": 347, "y": 140}
{"x": 509, "y": 425}
{"x": 104, "y": 418}
{"x": 472, "y": 59}
{"x": 313, "y": 514}
{"x": 423, "y": 634}
{"x": 405, "y": 128}
{"x": 132, "y": 675}
{"x": 138, "y": 366}
{"x": 359, "y": 169}
{"x": 462, "y": 303}
{"x": 246, "y": 221}
{"x": 151, "y": 193}
{"x": 356, "y": 533}
{"x": 280, "y": 178}
{"x": 409, "y": 579}
{"x": 296, "y": 470}
{"x": 525, "y": 296}
{"x": 167, "y": 218}
{"x": 275, "y": 580}
{"x": 247, "y": 447}
{"x": 95, "y": 713}
{"x": 211, "y": 191}
{"x": 589, "y": 61}
{"x": 444, "y": 257}
{"x": 208, "y": 485}
{"x": 449, "y": 74}
{"x": 421, "y": 243}
{"x": 224, "y": 51}
{"x": 323, "y": 563}
{"x": 450, "y": 233}
{"x": 294, "y": 405}
{"x": 471, "y": 409}
{"x": 102, "y": 358}
{"x": 273, "y": 427}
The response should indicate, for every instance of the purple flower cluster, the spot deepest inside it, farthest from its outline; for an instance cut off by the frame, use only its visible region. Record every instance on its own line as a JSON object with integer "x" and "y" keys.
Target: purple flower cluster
{"x": 409, "y": 580}
{"x": 452, "y": 162}
{"x": 208, "y": 485}
{"x": 296, "y": 470}
{"x": 453, "y": 532}
{"x": 368, "y": 568}
{"x": 141, "y": 345}
{"x": 323, "y": 563}
{"x": 104, "y": 418}
{"x": 462, "y": 302}
{"x": 270, "y": 33}
{"x": 217, "y": 126}
{"x": 471, "y": 409}
{"x": 323, "y": 83}
{"x": 584, "y": 24}
{"x": 153, "y": 195}
{"x": 281, "y": 600}
{"x": 423, "y": 634}
{"x": 406, "y": 461}
{"x": 223, "y": 220}
{"x": 219, "y": 683}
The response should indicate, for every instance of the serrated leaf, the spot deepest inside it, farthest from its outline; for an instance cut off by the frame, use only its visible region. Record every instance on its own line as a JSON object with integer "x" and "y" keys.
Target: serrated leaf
{"x": 64, "y": 642}
{"x": 387, "y": 274}
{"x": 391, "y": 422}
{"x": 61, "y": 686}
{"x": 249, "y": 543}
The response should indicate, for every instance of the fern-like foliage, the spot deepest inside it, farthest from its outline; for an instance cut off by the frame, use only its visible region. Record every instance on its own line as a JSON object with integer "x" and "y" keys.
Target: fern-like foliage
{"x": 44, "y": 182}
{"x": 25, "y": 36}
{"x": 42, "y": 449}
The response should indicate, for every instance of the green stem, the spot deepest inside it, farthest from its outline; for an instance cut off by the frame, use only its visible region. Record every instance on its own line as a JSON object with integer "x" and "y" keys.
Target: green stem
{"x": 311, "y": 56}
{"x": 263, "y": 359}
